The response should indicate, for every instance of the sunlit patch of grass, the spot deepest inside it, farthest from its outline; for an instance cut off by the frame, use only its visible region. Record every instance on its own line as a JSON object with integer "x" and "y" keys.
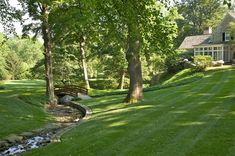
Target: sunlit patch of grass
{"x": 194, "y": 123}
{"x": 193, "y": 119}
{"x": 116, "y": 124}
{"x": 232, "y": 113}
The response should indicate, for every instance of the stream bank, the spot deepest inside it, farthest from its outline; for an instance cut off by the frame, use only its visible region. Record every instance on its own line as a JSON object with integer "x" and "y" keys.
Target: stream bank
{"x": 67, "y": 116}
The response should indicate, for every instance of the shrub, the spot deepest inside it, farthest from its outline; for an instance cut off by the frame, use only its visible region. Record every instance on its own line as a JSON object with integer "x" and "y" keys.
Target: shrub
{"x": 201, "y": 63}
{"x": 174, "y": 63}
{"x": 103, "y": 84}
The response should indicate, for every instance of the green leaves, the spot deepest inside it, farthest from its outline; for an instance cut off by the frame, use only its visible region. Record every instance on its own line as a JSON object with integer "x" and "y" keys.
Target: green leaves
{"x": 8, "y": 15}
{"x": 229, "y": 3}
{"x": 198, "y": 15}
{"x": 17, "y": 57}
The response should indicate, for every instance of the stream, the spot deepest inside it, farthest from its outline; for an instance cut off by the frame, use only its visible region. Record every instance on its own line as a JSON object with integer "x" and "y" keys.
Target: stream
{"x": 31, "y": 143}
{"x": 71, "y": 115}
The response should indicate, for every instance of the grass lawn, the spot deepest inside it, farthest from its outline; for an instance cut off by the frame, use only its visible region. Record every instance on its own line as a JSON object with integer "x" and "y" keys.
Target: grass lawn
{"x": 22, "y": 107}
{"x": 194, "y": 119}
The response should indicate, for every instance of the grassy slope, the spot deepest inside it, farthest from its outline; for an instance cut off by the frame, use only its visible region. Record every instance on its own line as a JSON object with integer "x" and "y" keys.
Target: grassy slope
{"x": 194, "y": 119}
{"x": 22, "y": 107}
{"x": 181, "y": 78}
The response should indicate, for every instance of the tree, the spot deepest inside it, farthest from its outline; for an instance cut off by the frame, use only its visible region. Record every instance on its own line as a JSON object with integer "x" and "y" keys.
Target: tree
{"x": 229, "y": 3}
{"x": 198, "y": 15}
{"x": 16, "y": 68}
{"x": 4, "y": 52}
{"x": 23, "y": 55}
{"x": 146, "y": 20}
{"x": 66, "y": 64}
{"x": 112, "y": 56}
{"x": 18, "y": 56}
{"x": 8, "y": 15}
{"x": 28, "y": 50}
{"x": 74, "y": 27}
{"x": 39, "y": 11}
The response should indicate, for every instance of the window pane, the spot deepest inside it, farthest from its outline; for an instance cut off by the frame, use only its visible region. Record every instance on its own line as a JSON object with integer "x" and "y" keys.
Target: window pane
{"x": 196, "y": 53}
{"x": 215, "y": 56}
{"x": 219, "y": 56}
{"x": 210, "y": 53}
{"x": 227, "y": 36}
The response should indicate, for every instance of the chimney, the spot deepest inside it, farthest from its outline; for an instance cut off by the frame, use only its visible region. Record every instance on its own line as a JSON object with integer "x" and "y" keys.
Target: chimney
{"x": 207, "y": 31}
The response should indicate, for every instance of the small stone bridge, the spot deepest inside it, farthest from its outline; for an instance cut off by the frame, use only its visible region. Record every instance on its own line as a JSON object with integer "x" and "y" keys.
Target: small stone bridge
{"x": 72, "y": 90}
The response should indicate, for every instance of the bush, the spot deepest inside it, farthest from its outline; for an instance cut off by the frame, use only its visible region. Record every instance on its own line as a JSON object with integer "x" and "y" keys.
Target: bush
{"x": 201, "y": 63}
{"x": 174, "y": 63}
{"x": 103, "y": 84}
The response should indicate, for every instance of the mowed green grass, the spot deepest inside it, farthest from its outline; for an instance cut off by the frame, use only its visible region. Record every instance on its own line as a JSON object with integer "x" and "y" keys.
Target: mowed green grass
{"x": 22, "y": 107}
{"x": 194, "y": 119}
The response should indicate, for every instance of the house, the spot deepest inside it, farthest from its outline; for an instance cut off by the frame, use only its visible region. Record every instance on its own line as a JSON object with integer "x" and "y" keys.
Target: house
{"x": 218, "y": 44}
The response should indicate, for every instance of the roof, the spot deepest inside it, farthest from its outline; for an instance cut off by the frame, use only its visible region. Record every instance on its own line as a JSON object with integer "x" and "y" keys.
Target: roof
{"x": 215, "y": 43}
{"x": 190, "y": 41}
{"x": 232, "y": 14}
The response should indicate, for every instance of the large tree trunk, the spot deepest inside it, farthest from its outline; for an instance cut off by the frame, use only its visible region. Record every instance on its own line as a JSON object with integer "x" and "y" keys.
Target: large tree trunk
{"x": 83, "y": 60}
{"x": 135, "y": 92}
{"x": 122, "y": 80}
{"x": 48, "y": 57}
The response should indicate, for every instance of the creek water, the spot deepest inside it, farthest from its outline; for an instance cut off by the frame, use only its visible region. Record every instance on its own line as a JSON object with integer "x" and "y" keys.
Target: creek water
{"x": 45, "y": 138}
{"x": 28, "y": 144}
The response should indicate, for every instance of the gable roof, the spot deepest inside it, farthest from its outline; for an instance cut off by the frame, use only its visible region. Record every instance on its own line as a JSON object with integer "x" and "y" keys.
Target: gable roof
{"x": 232, "y": 14}
{"x": 190, "y": 41}
{"x": 214, "y": 38}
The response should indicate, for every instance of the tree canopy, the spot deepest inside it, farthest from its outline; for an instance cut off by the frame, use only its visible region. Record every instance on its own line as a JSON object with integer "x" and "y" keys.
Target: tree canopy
{"x": 18, "y": 56}
{"x": 198, "y": 16}
{"x": 123, "y": 37}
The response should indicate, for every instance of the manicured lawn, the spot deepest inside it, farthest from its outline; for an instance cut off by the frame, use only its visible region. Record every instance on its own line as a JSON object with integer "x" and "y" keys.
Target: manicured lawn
{"x": 22, "y": 107}
{"x": 193, "y": 119}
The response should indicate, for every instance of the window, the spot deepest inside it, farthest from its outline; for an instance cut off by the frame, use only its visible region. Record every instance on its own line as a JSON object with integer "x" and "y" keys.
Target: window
{"x": 216, "y": 52}
{"x": 223, "y": 36}
{"x": 197, "y": 53}
{"x": 227, "y": 37}
{"x": 215, "y": 55}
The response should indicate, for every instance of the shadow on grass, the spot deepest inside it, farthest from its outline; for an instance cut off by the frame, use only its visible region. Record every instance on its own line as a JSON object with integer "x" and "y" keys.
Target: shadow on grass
{"x": 22, "y": 105}
{"x": 188, "y": 120}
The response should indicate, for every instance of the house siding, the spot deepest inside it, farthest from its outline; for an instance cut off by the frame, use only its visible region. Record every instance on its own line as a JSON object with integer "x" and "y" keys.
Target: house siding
{"x": 219, "y": 41}
{"x": 217, "y": 35}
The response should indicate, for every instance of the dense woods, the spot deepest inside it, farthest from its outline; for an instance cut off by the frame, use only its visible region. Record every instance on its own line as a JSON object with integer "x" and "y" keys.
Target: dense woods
{"x": 101, "y": 44}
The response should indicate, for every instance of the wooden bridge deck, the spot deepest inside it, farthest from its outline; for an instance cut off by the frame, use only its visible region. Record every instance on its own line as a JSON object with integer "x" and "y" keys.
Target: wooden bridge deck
{"x": 72, "y": 90}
